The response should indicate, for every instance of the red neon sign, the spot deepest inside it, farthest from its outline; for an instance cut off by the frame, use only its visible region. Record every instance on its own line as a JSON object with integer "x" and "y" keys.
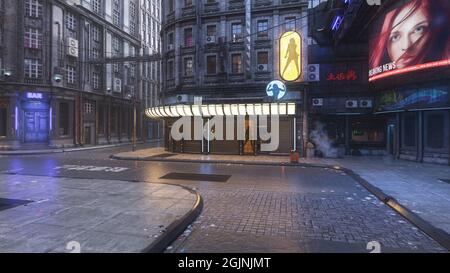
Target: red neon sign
{"x": 350, "y": 75}
{"x": 411, "y": 69}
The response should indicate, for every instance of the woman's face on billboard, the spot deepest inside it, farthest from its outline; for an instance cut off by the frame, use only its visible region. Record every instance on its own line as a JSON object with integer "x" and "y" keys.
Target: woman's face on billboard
{"x": 408, "y": 36}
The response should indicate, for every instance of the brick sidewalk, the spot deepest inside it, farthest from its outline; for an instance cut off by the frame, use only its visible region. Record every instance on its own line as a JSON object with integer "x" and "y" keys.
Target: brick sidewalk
{"x": 102, "y": 216}
{"x": 416, "y": 186}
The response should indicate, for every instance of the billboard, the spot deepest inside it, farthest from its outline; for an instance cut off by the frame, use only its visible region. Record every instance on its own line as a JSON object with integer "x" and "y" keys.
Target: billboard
{"x": 290, "y": 56}
{"x": 411, "y": 37}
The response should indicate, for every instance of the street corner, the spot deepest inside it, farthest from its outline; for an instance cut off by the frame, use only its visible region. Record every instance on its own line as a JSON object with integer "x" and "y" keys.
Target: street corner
{"x": 61, "y": 215}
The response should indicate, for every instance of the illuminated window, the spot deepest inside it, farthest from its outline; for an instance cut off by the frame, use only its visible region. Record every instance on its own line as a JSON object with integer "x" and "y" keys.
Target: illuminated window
{"x": 188, "y": 37}
{"x": 236, "y": 63}
{"x": 188, "y": 67}
{"x": 236, "y": 32}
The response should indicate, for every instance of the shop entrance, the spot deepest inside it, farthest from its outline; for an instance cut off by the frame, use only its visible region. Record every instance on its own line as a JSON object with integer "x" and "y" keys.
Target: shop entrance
{"x": 248, "y": 143}
{"x": 36, "y": 126}
{"x": 391, "y": 139}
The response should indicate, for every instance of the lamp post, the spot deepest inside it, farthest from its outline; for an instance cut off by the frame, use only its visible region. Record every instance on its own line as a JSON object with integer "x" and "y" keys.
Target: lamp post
{"x": 132, "y": 96}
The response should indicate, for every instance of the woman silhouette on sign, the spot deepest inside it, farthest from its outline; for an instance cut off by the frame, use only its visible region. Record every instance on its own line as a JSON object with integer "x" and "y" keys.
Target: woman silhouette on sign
{"x": 291, "y": 55}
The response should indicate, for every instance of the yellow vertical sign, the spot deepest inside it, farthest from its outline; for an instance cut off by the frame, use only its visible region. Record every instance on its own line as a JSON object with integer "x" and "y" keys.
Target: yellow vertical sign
{"x": 290, "y": 56}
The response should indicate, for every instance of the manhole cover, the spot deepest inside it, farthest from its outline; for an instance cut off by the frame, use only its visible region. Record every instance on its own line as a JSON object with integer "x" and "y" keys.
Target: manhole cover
{"x": 12, "y": 203}
{"x": 197, "y": 177}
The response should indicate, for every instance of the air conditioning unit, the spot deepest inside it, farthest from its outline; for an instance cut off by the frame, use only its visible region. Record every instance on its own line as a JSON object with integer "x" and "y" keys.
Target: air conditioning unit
{"x": 210, "y": 39}
{"x": 366, "y": 103}
{"x": 313, "y": 73}
{"x": 117, "y": 85}
{"x": 72, "y": 46}
{"x": 317, "y": 102}
{"x": 171, "y": 47}
{"x": 182, "y": 98}
{"x": 262, "y": 67}
{"x": 351, "y": 104}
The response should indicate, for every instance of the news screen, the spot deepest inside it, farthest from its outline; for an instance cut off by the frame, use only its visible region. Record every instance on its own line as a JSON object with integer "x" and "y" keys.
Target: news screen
{"x": 411, "y": 37}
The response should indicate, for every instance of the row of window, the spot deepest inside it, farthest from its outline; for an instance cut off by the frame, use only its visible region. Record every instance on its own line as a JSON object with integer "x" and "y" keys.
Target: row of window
{"x": 236, "y": 32}
{"x": 211, "y": 64}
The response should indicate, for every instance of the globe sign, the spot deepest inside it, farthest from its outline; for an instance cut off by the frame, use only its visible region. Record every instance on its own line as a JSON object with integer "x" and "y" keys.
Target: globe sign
{"x": 276, "y": 89}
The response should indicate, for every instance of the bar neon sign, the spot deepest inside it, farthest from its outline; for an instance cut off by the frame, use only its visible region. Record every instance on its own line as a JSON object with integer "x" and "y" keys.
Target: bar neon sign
{"x": 31, "y": 95}
{"x": 411, "y": 69}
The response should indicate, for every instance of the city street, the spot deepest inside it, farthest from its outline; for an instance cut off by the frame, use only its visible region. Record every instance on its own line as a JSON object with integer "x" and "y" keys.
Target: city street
{"x": 251, "y": 208}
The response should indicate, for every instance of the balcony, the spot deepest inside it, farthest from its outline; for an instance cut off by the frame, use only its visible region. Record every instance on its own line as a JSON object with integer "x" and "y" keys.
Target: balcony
{"x": 290, "y": 1}
{"x": 211, "y": 7}
{"x": 188, "y": 11}
{"x": 236, "y": 5}
{"x": 263, "y": 43}
{"x": 263, "y": 3}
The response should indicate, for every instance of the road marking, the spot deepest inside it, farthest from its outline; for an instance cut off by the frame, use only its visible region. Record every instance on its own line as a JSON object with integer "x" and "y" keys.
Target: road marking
{"x": 91, "y": 168}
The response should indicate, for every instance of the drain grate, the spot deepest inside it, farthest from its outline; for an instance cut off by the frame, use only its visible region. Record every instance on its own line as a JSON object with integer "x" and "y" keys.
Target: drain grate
{"x": 197, "y": 177}
{"x": 167, "y": 155}
{"x": 12, "y": 203}
{"x": 445, "y": 180}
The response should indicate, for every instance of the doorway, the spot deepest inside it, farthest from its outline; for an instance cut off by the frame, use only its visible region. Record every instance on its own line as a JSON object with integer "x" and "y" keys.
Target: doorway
{"x": 391, "y": 139}
{"x": 36, "y": 126}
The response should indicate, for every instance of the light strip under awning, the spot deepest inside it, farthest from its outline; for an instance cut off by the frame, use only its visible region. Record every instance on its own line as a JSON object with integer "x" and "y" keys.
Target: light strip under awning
{"x": 182, "y": 110}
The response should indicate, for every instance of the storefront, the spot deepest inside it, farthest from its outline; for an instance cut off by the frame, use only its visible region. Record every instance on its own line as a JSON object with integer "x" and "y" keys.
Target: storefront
{"x": 419, "y": 122}
{"x": 34, "y": 116}
{"x": 238, "y": 129}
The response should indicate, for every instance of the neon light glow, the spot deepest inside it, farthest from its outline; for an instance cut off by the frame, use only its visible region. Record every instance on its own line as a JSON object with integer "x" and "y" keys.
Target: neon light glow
{"x": 38, "y": 96}
{"x": 16, "y": 125}
{"x": 411, "y": 69}
{"x": 290, "y": 55}
{"x": 51, "y": 119}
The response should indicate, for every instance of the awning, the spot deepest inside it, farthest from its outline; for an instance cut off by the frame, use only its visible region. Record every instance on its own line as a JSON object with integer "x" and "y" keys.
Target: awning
{"x": 258, "y": 109}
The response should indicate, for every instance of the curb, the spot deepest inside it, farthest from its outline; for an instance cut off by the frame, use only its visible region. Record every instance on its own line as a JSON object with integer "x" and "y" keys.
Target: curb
{"x": 175, "y": 229}
{"x": 437, "y": 234}
{"x": 67, "y": 150}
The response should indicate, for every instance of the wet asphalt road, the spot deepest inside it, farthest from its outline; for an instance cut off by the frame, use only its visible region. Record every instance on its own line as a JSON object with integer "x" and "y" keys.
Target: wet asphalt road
{"x": 258, "y": 209}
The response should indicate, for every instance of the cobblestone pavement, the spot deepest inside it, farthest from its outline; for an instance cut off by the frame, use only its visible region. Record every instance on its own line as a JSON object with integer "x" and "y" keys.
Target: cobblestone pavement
{"x": 342, "y": 217}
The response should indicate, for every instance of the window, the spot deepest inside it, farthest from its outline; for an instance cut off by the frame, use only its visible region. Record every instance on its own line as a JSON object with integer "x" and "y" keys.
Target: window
{"x": 33, "y": 8}
{"x": 33, "y": 38}
{"x": 188, "y": 40}
{"x": 96, "y": 80}
{"x": 116, "y": 12}
{"x": 101, "y": 120}
{"x": 236, "y": 32}
{"x": 289, "y": 23}
{"x": 188, "y": 67}
{"x": 170, "y": 41}
{"x": 97, "y": 6}
{"x": 71, "y": 21}
{"x": 64, "y": 119}
{"x": 187, "y": 2}
{"x": 409, "y": 130}
{"x": 171, "y": 5}
{"x": 236, "y": 63}
{"x": 3, "y": 121}
{"x": 263, "y": 58}
{"x": 263, "y": 26}
{"x": 132, "y": 17}
{"x": 211, "y": 65}
{"x": 211, "y": 30}
{"x": 89, "y": 107}
{"x": 96, "y": 34}
{"x": 33, "y": 68}
{"x": 435, "y": 131}
{"x": 170, "y": 70}
{"x": 71, "y": 74}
